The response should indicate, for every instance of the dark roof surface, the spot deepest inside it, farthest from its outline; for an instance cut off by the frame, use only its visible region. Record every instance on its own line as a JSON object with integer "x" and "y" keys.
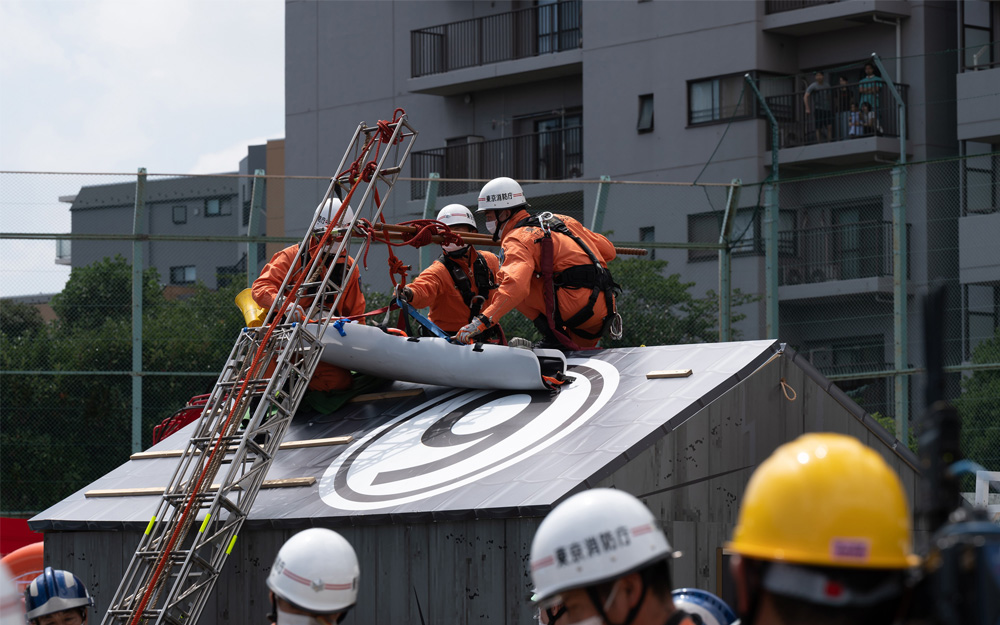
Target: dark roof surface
{"x": 454, "y": 454}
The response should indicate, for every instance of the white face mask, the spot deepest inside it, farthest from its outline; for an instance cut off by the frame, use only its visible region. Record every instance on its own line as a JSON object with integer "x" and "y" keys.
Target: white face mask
{"x": 453, "y": 247}
{"x": 287, "y": 618}
{"x": 491, "y": 222}
{"x": 596, "y": 619}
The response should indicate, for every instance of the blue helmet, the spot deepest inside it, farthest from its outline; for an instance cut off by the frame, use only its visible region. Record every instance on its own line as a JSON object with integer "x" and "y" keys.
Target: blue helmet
{"x": 703, "y": 606}
{"x": 54, "y": 591}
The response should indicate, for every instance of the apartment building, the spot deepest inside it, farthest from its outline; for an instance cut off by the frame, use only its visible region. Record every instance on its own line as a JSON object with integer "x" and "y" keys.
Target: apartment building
{"x": 645, "y": 90}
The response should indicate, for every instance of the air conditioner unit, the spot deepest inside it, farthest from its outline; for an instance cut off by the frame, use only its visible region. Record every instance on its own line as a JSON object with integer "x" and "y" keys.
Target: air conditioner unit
{"x": 822, "y": 357}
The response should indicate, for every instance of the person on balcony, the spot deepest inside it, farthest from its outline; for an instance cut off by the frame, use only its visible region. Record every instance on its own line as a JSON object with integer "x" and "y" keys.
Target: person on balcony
{"x": 842, "y": 101}
{"x": 870, "y": 88}
{"x": 855, "y": 124}
{"x": 817, "y": 103}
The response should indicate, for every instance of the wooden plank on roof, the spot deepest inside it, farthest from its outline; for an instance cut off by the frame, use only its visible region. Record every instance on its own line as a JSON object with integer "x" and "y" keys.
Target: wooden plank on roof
{"x": 314, "y": 442}
{"x": 668, "y": 373}
{"x": 290, "y": 482}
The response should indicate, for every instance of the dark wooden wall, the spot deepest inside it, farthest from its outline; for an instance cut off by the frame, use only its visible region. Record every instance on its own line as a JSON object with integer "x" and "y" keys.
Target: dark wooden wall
{"x": 476, "y": 571}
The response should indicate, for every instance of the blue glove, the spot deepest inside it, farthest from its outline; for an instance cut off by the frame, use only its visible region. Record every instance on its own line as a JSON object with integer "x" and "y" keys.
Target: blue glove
{"x": 471, "y": 330}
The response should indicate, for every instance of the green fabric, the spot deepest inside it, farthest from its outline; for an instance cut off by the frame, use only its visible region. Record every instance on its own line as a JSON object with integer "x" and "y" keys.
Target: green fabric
{"x": 331, "y": 401}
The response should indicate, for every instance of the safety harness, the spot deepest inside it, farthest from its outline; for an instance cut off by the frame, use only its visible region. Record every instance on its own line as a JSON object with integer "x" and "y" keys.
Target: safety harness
{"x": 485, "y": 282}
{"x": 594, "y": 276}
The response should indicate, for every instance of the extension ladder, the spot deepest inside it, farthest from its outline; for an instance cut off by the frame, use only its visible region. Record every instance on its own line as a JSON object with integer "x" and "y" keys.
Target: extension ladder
{"x": 186, "y": 543}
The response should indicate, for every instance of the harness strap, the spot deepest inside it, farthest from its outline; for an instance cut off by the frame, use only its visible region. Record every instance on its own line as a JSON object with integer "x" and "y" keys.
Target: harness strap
{"x": 595, "y": 276}
{"x": 485, "y": 282}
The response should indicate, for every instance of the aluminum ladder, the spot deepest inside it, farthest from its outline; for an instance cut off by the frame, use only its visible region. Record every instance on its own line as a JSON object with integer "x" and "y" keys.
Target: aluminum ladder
{"x": 186, "y": 543}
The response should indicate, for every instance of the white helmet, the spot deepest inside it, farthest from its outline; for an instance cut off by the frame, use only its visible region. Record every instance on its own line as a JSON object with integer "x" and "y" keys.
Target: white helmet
{"x": 317, "y": 571}
{"x": 328, "y": 210}
{"x": 593, "y": 537}
{"x": 708, "y": 608}
{"x": 456, "y": 214}
{"x": 500, "y": 193}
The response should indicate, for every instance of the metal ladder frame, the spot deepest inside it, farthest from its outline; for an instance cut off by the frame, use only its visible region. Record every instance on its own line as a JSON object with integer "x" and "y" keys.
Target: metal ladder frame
{"x": 174, "y": 581}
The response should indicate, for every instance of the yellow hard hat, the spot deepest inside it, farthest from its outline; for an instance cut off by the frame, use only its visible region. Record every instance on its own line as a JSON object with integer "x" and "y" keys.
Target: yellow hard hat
{"x": 825, "y": 500}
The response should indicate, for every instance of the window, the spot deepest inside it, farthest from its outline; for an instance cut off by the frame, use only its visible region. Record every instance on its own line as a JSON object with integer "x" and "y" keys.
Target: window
{"x": 745, "y": 236}
{"x": 560, "y": 146}
{"x": 645, "y": 123}
{"x": 717, "y": 99}
{"x": 982, "y": 174}
{"x": 977, "y": 34}
{"x": 182, "y": 275}
{"x": 214, "y": 207}
{"x": 180, "y": 214}
{"x": 648, "y": 235}
{"x": 982, "y": 314}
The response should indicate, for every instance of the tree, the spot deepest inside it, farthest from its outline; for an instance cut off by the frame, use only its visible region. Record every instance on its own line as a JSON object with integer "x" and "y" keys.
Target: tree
{"x": 69, "y": 429}
{"x": 979, "y": 405}
{"x": 659, "y": 309}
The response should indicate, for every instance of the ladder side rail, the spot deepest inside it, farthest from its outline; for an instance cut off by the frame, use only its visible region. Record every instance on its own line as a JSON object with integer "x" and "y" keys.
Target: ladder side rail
{"x": 246, "y": 495}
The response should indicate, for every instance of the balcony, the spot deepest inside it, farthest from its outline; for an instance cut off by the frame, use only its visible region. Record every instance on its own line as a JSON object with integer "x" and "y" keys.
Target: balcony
{"x": 845, "y": 137}
{"x": 552, "y": 155}
{"x": 518, "y": 46}
{"x": 780, "y": 6}
{"x": 808, "y": 17}
{"x": 857, "y": 256}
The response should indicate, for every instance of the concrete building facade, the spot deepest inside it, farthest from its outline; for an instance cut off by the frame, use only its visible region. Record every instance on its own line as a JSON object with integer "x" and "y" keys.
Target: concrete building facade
{"x": 654, "y": 91}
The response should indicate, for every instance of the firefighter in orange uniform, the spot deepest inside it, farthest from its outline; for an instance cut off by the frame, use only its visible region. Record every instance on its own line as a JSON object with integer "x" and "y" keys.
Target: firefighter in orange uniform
{"x": 460, "y": 283}
{"x": 265, "y": 289}
{"x": 554, "y": 272}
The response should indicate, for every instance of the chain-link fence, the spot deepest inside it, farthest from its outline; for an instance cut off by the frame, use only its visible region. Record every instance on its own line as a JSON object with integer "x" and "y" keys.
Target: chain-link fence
{"x": 843, "y": 305}
{"x": 87, "y": 369}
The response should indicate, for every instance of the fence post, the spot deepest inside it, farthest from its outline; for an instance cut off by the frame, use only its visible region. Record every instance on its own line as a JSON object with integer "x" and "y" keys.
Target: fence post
{"x": 901, "y": 382}
{"x": 601, "y": 204}
{"x": 900, "y": 321}
{"x": 430, "y": 205}
{"x": 139, "y": 227}
{"x": 770, "y": 223}
{"x": 725, "y": 263}
{"x": 256, "y": 203}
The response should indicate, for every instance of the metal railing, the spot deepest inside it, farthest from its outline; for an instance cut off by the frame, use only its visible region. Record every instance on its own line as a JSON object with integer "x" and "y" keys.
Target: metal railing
{"x": 844, "y": 252}
{"x": 503, "y": 37}
{"x": 551, "y": 155}
{"x": 780, "y": 6}
{"x": 831, "y": 116}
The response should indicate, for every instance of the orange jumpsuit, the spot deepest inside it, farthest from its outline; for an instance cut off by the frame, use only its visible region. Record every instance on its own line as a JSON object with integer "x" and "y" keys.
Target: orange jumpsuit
{"x": 265, "y": 288}
{"x": 521, "y": 285}
{"x": 436, "y": 288}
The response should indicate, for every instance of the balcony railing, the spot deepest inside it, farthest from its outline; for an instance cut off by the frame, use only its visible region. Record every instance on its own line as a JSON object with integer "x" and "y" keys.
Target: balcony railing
{"x": 780, "y": 6}
{"x": 517, "y": 34}
{"x": 552, "y": 155}
{"x": 831, "y": 117}
{"x": 844, "y": 252}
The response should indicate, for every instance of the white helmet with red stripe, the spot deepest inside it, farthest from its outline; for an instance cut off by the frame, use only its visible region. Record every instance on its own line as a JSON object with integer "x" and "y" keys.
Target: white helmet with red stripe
{"x": 500, "y": 193}
{"x": 317, "y": 571}
{"x": 593, "y": 537}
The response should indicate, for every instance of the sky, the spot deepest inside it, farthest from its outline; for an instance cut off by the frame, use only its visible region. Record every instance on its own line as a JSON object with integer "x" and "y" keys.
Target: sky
{"x": 109, "y": 86}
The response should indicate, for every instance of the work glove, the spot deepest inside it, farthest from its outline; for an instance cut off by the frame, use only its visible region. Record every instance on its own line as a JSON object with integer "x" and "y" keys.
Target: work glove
{"x": 470, "y": 331}
{"x": 296, "y": 314}
{"x": 403, "y": 293}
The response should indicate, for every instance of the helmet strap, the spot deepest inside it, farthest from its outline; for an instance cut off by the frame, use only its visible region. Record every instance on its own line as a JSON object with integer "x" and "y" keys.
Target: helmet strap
{"x": 501, "y": 224}
{"x": 272, "y": 616}
{"x": 630, "y": 617}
